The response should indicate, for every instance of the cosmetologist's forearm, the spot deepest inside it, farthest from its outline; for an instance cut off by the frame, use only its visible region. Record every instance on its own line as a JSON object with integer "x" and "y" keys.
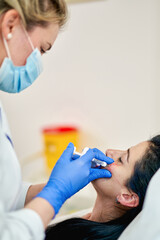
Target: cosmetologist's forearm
{"x": 33, "y": 191}
{"x": 43, "y": 209}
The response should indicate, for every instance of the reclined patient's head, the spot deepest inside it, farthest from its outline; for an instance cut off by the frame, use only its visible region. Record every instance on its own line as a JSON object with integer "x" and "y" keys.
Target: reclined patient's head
{"x": 131, "y": 173}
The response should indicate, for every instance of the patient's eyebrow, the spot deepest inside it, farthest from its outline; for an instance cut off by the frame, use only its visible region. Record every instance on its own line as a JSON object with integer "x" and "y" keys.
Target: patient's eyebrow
{"x": 128, "y": 153}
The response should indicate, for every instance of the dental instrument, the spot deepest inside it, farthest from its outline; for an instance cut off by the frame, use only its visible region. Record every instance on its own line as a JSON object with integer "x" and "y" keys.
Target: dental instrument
{"x": 94, "y": 160}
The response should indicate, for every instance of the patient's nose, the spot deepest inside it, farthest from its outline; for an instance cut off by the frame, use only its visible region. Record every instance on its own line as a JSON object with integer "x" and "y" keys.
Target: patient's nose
{"x": 115, "y": 154}
{"x": 110, "y": 153}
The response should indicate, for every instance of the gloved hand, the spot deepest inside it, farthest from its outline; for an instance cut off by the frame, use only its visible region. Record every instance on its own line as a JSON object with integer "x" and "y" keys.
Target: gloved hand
{"x": 69, "y": 176}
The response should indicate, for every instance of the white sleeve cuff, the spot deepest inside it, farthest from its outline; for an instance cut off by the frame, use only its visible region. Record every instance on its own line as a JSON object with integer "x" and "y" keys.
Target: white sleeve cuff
{"x": 22, "y": 196}
{"x": 26, "y": 223}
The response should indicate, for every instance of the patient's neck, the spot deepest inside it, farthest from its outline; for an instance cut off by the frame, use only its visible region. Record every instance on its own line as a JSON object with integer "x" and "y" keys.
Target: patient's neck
{"x": 105, "y": 210}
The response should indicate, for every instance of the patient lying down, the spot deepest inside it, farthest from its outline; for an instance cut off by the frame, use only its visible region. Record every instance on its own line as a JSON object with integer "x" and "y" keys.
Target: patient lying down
{"x": 119, "y": 199}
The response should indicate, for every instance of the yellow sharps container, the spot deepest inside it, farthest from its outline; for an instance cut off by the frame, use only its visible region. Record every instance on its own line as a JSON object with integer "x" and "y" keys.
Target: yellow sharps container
{"x": 56, "y": 140}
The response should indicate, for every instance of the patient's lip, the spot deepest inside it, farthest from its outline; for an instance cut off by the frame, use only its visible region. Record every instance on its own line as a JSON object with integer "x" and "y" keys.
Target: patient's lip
{"x": 111, "y": 166}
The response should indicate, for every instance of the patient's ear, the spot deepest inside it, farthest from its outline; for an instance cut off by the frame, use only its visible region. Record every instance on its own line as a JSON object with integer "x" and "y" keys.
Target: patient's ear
{"x": 128, "y": 199}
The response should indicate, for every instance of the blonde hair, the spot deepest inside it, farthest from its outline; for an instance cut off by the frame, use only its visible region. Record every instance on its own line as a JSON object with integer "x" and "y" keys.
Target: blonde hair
{"x": 37, "y": 12}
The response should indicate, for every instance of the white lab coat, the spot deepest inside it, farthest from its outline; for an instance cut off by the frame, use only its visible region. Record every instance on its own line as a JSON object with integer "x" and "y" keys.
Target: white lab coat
{"x": 16, "y": 223}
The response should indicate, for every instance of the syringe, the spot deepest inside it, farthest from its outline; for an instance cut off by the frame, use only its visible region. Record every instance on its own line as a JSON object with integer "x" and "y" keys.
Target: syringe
{"x": 94, "y": 160}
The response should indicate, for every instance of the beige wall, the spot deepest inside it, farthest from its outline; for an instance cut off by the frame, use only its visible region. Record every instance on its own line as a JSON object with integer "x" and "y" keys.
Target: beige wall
{"x": 102, "y": 75}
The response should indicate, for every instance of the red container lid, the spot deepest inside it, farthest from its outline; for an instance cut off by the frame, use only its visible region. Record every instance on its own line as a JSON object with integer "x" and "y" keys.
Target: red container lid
{"x": 60, "y": 129}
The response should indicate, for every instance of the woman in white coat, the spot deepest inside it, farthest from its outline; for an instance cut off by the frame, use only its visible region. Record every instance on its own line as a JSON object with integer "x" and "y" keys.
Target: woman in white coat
{"x": 27, "y": 30}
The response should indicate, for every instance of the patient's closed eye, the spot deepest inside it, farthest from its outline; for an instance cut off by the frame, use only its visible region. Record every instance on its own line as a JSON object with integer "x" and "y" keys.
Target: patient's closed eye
{"x": 120, "y": 160}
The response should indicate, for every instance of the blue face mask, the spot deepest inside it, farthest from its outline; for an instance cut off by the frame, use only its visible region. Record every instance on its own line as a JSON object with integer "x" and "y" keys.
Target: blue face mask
{"x": 15, "y": 79}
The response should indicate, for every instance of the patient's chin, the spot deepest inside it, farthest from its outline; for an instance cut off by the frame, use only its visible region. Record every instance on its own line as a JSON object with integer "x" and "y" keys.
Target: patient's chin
{"x": 101, "y": 184}
{"x": 100, "y": 181}
{"x": 106, "y": 187}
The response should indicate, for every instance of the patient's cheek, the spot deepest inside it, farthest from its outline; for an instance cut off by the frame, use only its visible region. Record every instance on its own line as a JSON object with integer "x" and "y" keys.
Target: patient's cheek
{"x": 112, "y": 166}
{"x": 109, "y": 186}
{"x": 115, "y": 170}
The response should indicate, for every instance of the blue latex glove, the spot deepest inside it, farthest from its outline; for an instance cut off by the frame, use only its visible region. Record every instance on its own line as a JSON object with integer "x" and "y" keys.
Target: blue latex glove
{"x": 69, "y": 176}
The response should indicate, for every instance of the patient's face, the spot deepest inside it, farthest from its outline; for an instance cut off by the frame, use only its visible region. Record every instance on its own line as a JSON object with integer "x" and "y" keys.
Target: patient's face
{"x": 121, "y": 170}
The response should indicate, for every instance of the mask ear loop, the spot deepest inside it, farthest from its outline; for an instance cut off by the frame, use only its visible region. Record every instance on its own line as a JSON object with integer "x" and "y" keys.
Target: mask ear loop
{"x": 30, "y": 41}
{"x": 6, "y": 47}
{"x": 6, "y": 44}
{"x": 28, "y": 37}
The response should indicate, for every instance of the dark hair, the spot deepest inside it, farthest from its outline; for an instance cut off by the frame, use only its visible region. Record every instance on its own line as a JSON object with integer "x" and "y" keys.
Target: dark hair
{"x": 77, "y": 228}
